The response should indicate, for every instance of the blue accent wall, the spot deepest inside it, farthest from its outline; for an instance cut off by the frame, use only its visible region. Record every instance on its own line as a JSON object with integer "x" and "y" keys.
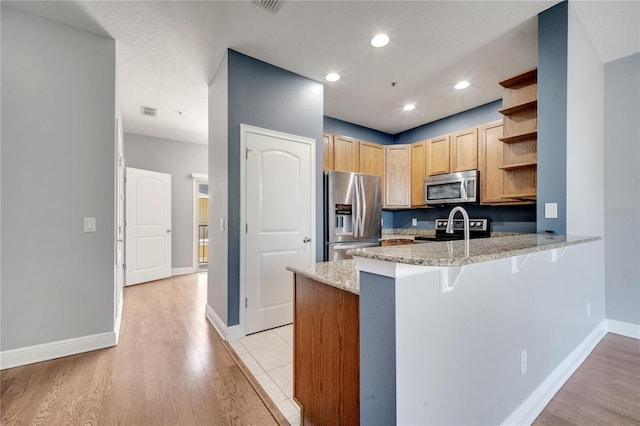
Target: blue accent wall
{"x": 266, "y": 96}
{"x": 503, "y": 218}
{"x": 463, "y": 120}
{"x": 377, "y": 350}
{"x": 344, "y": 128}
{"x": 552, "y": 116}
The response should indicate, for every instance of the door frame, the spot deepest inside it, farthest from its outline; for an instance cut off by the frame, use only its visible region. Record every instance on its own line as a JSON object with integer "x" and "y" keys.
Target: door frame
{"x": 244, "y": 130}
{"x": 197, "y": 179}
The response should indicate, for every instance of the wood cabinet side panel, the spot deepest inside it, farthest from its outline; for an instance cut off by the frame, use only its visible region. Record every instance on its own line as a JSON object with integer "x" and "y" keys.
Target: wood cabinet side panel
{"x": 418, "y": 172}
{"x": 326, "y": 353}
{"x": 327, "y": 151}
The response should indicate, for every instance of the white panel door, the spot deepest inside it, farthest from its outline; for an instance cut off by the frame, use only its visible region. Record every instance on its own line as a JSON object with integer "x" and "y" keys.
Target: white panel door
{"x": 280, "y": 223}
{"x": 148, "y": 222}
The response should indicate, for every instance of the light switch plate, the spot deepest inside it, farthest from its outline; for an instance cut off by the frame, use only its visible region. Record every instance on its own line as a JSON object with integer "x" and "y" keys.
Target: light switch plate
{"x": 89, "y": 224}
{"x": 550, "y": 210}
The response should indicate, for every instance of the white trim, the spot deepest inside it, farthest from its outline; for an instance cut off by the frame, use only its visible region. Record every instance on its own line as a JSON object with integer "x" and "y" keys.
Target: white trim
{"x": 227, "y": 333}
{"x": 52, "y": 350}
{"x": 244, "y": 129}
{"x": 531, "y": 408}
{"x": 118, "y": 317}
{"x": 182, "y": 271}
{"x": 199, "y": 176}
{"x": 623, "y": 328}
{"x": 390, "y": 269}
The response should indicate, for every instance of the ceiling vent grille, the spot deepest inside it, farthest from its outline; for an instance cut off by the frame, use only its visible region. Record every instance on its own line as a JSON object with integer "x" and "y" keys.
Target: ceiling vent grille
{"x": 270, "y": 5}
{"x": 148, "y": 111}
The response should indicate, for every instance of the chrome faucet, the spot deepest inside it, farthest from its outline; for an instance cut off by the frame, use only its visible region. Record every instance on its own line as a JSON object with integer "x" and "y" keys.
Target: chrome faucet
{"x": 465, "y": 217}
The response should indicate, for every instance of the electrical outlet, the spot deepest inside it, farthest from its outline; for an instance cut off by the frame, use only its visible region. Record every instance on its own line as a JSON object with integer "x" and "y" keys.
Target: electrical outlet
{"x": 550, "y": 210}
{"x": 414, "y": 221}
{"x": 381, "y": 222}
{"x": 523, "y": 362}
{"x": 222, "y": 223}
{"x": 588, "y": 309}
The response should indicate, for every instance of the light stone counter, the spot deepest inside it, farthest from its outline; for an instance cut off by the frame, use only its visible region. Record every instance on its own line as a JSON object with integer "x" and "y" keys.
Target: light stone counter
{"x": 340, "y": 274}
{"x": 452, "y": 253}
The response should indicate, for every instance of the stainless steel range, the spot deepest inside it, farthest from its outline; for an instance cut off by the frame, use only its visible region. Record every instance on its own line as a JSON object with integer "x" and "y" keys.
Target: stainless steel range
{"x": 478, "y": 228}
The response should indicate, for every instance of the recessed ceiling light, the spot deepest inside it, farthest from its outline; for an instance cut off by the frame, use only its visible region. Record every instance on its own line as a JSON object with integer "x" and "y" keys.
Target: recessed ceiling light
{"x": 461, "y": 85}
{"x": 380, "y": 40}
{"x": 409, "y": 107}
{"x": 333, "y": 76}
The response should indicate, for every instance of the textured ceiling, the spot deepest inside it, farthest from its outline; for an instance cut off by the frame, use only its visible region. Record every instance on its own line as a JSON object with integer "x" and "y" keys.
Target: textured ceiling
{"x": 167, "y": 52}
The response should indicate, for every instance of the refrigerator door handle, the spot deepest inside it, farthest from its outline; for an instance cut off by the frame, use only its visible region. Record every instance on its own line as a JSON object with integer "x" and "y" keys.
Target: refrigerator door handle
{"x": 364, "y": 206}
{"x": 356, "y": 215}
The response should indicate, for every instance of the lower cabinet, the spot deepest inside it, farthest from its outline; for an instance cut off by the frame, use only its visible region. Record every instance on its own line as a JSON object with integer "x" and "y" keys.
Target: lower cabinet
{"x": 326, "y": 353}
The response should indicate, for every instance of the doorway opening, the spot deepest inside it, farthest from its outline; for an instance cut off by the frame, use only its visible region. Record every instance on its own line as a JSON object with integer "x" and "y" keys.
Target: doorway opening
{"x": 200, "y": 222}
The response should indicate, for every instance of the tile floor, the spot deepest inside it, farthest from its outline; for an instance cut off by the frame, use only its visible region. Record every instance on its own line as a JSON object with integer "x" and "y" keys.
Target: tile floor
{"x": 269, "y": 356}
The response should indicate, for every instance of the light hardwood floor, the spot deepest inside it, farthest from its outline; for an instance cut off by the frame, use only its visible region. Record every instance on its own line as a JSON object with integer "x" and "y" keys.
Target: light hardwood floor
{"x": 170, "y": 367}
{"x": 604, "y": 390}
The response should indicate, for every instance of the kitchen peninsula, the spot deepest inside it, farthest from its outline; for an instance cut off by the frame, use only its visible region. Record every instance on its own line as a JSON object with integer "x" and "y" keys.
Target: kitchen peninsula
{"x": 427, "y": 335}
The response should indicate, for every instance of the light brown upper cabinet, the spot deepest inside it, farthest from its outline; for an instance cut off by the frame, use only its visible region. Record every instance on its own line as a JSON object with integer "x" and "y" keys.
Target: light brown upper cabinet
{"x": 327, "y": 151}
{"x": 520, "y": 134}
{"x": 345, "y": 153}
{"x": 438, "y": 151}
{"x": 418, "y": 172}
{"x": 370, "y": 158}
{"x": 464, "y": 150}
{"x": 396, "y": 176}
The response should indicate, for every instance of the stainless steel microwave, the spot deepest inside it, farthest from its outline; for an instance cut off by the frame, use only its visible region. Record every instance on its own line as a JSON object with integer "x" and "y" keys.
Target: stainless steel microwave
{"x": 461, "y": 187}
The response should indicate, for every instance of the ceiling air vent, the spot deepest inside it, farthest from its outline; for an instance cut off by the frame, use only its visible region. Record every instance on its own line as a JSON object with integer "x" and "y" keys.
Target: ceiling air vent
{"x": 148, "y": 111}
{"x": 270, "y": 5}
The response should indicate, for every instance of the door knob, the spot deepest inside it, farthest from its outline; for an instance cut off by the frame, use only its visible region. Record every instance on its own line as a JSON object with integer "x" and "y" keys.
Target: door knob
{"x": 306, "y": 240}
{"x": 168, "y": 231}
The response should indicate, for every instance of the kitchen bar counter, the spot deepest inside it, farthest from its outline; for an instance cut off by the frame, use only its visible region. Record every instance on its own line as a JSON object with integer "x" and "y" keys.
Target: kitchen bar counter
{"x": 339, "y": 274}
{"x": 452, "y": 253}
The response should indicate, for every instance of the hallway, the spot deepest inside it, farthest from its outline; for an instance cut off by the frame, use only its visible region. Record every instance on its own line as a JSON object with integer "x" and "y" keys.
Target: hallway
{"x": 170, "y": 367}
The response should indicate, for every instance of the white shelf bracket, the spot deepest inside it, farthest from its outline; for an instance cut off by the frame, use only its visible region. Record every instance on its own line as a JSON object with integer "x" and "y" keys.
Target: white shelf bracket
{"x": 518, "y": 262}
{"x": 556, "y": 254}
{"x": 449, "y": 277}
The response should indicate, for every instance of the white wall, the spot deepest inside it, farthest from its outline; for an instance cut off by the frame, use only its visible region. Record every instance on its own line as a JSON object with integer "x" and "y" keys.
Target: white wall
{"x": 585, "y": 132}
{"x": 58, "y": 149}
{"x": 622, "y": 188}
{"x": 180, "y": 160}
{"x": 217, "y": 291}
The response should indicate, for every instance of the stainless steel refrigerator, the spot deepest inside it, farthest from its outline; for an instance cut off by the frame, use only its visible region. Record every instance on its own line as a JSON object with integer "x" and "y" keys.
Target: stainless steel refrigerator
{"x": 353, "y": 212}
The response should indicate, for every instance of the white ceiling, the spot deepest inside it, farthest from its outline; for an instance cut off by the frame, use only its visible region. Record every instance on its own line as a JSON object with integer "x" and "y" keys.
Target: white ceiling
{"x": 167, "y": 52}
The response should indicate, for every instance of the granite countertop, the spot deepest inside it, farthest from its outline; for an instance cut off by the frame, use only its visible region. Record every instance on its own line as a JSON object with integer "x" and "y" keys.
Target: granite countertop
{"x": 340, "y": 274}
{"x": 452, "y": 253}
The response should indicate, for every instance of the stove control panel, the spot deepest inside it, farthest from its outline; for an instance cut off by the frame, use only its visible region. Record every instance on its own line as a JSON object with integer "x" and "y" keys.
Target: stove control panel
{"x": 458, "y": 224}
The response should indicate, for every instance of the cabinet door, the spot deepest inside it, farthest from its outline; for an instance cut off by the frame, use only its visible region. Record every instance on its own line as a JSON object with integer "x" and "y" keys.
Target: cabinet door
{"x": 438, "y": 155}
{"x": 345, "y": 153}
{"x": 464, "y": 150}
{"x": 327, "y": 151}
{"x": 490, "y": 159}
{"x": 371, "y": 158}
{"x": 418, "y": 172}
{"x": 396, "y": 175}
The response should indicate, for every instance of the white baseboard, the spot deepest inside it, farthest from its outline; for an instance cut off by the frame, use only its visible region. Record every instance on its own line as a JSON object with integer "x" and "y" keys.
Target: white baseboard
{"x": 118, "y": 318}
{"x": 531, "y": 408}
{"x": 52, "y": 350}
{"x": 183, "y": 271}
{"x": 227, "y": 333}
{"x": 623, "y": 328}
